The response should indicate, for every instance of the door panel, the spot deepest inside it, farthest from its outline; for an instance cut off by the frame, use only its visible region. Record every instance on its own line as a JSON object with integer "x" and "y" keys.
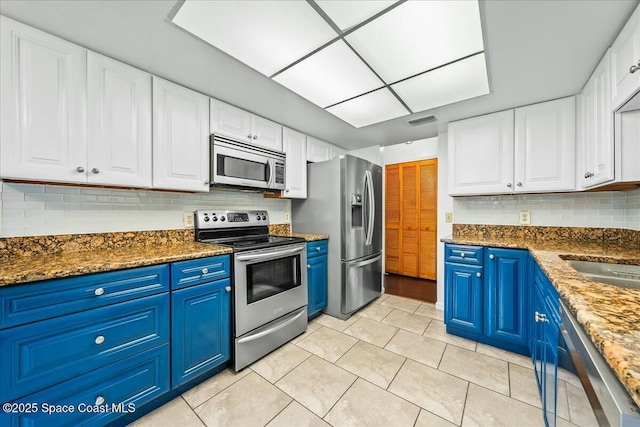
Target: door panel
{"x": 362, "y": 281}
{"x": 409, "y": 197}
{"x": 428, "y": 219}
{"x": 392, "y": 218}
{"x": 463, "y": 297}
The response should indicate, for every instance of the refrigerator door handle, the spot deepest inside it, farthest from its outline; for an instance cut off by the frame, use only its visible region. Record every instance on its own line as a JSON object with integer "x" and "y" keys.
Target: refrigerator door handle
{"x": 365, "y": 262}
{"x": 368, "y": 179}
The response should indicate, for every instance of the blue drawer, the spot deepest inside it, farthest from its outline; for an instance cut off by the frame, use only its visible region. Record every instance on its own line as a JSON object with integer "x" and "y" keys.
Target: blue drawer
{"x": 194, "y": 272}
{"x": 41, "y": 354}
{"x": 463, "y": 254}
{"x": 42, "y": 300}
{"x": 316, "y": 248}
{"x": 124, "y": 386}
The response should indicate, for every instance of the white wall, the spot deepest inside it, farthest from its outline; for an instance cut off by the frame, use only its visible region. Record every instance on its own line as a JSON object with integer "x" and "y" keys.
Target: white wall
{"x": 418, "y": 150}
{"x": 372, "y": 154}
{"x": 31, "y": 209}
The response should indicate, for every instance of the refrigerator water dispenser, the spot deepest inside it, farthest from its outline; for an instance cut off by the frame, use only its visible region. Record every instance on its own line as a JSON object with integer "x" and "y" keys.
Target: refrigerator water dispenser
{"x": 356, "y": 211}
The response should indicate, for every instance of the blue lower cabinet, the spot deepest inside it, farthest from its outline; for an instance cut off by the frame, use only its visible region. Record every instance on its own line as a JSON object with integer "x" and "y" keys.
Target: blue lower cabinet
{"x": 463, "y": 297}
{"x": 507, "y": 288}
{"x": 200, "y": 329}
{"x": 95, "y": 398}
{"x": 317, "y": 282}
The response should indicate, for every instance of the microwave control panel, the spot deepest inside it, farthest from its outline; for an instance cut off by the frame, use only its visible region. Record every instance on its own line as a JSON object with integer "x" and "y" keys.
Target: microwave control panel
{"x": 279, "y": 173}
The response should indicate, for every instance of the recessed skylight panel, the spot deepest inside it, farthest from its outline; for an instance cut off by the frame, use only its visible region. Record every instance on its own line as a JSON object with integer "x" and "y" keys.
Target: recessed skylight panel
{"x": 419, "y": 35}
{"x": 332, "y": 75}
{"x": 452, "y": 83}
{"x": 265, "y": 35}
{"x": 347, "y": 13}
{"x": 368, "y": 109}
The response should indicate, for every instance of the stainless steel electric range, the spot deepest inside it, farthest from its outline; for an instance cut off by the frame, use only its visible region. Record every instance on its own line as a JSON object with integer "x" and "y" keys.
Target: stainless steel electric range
{"x": 270, "y": 280}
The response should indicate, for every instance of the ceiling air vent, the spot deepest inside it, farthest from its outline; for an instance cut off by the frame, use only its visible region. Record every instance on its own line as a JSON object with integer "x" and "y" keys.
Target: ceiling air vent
{"x": 421, "y": 121}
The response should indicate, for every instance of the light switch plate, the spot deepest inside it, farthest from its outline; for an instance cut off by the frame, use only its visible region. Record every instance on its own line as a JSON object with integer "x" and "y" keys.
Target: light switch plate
{"x": 187, "y": 219}
{"x": 286, "y": 217}
{"x": 525, "y": 217}
{"x": 448, "y": 217}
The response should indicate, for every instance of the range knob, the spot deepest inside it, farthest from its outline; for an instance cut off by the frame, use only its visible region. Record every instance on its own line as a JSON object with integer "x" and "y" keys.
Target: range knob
{"x": 264, "y": 218}
{"x": 206, "y": 219}
{"x": 258, "y": 217}
{"x": 222, "y": 218}
{"x": 215, "y": 218}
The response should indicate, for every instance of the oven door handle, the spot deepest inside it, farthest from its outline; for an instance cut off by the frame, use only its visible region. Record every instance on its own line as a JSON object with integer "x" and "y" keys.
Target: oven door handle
{"x": 269, "y": 255}
{"x": 272, "y": 329}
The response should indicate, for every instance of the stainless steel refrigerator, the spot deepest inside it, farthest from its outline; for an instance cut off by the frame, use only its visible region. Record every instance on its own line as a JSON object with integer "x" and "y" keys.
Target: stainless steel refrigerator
{"x": 344, "y": 201}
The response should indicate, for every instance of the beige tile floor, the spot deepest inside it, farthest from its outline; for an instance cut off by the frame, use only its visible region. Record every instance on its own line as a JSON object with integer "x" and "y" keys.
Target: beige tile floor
{"x": 391, "y": 364}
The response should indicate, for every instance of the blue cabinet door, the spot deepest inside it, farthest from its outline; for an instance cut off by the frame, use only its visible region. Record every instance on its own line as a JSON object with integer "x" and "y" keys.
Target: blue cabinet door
{"x": 200, "y": 329}
{"x": 317, "y": 282}
{"x": 463, "y": 297}
{"x": 506, "y": 296}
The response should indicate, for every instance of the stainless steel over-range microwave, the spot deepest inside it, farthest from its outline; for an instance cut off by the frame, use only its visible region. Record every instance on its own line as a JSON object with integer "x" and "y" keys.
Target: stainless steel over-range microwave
{"x": 237, "y": 163}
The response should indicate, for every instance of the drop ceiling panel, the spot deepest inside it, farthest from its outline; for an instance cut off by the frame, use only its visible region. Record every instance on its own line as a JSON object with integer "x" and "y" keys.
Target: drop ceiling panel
{"x": 345, "y": 14}
{"x": 419, "y": 35}
{"x": 329, "y": 76}
{"x": 258, "y": 33}
{"x": 462, "y": 80}
{"x": 371, "y": 108}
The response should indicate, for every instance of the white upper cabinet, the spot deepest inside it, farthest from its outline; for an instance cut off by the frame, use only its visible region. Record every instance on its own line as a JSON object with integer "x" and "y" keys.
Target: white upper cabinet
{"x": 180, "y": 137}
{"x": 625, "y": 61}
{"x": 596, "y": 143}
{"x": 43, "y": 102}
{"x": 295, "y": 146}
{"x": 239, "y": 124}
{"x": 545, "y": 146}
{"x": 480, "y": 151}
{"x": 317, "y": 150}
{"x": 334, "y": 151}
{"x": 119, "y": 122}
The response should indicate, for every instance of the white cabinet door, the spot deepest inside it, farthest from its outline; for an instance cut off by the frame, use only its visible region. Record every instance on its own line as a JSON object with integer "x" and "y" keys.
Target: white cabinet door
{"x": 230, "y": 121}
{"x": 317, "y": 150}
{"x": 629, "y": 136}
{"x": 481, "y": 155}
{"x": 43, "y": 81}
{"x": 119, "y": 122}
{"x": 180, "y": 137}
{"x": 598, "y": 152}
{"x": 295, "y": 146}
{"x": 545, "y": 143}
{"x": 334, "y": 151}
{"x": 625, "y": 54}
{"x": 266, "y": 133}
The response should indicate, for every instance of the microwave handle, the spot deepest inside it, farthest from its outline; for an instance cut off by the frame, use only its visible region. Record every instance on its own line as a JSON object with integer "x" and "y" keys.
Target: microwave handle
{"x": 267, "y": 177}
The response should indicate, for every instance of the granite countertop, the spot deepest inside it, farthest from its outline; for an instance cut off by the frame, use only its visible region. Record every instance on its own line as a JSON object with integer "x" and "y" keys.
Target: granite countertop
{"x": 609, "y": 314}
{"x": 309, "y": 237}
{"x": 41, "y": 266}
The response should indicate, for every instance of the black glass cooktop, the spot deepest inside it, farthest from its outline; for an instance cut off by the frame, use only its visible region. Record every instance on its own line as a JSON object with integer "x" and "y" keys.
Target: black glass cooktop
{"x": 258, "y": 242}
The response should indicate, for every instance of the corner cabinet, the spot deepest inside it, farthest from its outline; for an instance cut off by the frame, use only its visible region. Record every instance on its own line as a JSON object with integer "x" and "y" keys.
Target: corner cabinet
{"x": 294, "y": 144}
{"x": 625, "y": 60}
{"x": 317, "y": 277}
{"x": 43, "y": 81}
{"x": 487, "y": 295}
{"x": 180, "y": 137}
{"x": 242, "y": 125}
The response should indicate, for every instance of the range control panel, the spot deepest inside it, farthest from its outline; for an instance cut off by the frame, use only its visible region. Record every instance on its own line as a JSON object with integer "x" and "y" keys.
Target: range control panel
{"x": 229, "y": 219}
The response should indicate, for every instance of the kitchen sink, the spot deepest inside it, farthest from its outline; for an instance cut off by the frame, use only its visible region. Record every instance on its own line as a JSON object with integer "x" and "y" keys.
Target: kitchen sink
{"x": 627, "y": 276}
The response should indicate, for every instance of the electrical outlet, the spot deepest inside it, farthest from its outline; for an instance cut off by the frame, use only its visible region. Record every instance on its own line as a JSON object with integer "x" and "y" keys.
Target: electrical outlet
{"x": 525, "y": 217}
{"x": 286, "y": 217}
{"x": 187, "y": 219}
{"x": 448, "y": 217}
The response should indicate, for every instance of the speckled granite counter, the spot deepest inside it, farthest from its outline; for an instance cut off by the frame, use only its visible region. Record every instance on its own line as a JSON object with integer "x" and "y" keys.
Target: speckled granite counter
{"x": 285, "y": 230}
{"x": 29, "y": 259}
{"x": 609, "y": 314}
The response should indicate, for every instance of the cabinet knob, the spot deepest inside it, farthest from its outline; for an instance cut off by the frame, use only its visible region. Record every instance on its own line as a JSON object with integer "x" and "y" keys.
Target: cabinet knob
{"x": 509, "y": 185}
{"x": 287, "y": 190}
{"x": 308, "y": 265}
{"x": 462, "y": 255}
{"x": 206, "y": 183}
{"x": 479, "y": 274}
{"x": 318, "y": 249}
{"x": 99, "y": 400}
{"x": 588, "y": 174}
{"x": 633, "y": 69}
{"x": 249, "y": 136}
{"x": 79, "y": 169}
{"x": 255, "y": 136}
{"x": 205, "y": 270}
{"x": 99, "y": 339}
{"x": 491, "y": 256}
{"x": 227, "y": 288}
{"x": 519, "y": 184}
{"x": 99, "y": 291}
{"x": 95, "y": 170}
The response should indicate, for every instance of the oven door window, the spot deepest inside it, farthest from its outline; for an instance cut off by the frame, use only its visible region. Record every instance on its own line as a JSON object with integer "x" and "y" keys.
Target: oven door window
{"x": 268, "y": 278}
{"x": 240, "y": 168}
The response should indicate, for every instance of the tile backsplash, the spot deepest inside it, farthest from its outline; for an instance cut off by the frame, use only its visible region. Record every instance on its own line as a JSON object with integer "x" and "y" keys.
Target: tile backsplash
{"x": 37, "y": 209}
{"x": 617, "y": 209}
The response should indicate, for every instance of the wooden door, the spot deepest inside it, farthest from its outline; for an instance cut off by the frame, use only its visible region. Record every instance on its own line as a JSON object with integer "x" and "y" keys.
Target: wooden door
{"x": 428, "y": 219}
{"x": 392, "y": 219}
{"x": 409, "y": 197}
